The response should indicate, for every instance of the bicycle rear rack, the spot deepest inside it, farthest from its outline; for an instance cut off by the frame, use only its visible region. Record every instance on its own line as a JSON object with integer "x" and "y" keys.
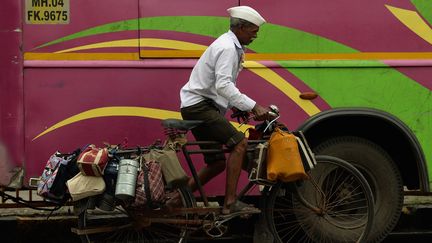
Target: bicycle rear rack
{"x": 25, "y": 198}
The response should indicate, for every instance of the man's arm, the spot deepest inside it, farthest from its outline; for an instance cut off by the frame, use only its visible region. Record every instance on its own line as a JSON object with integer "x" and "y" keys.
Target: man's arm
{"x": 225, "y": 87}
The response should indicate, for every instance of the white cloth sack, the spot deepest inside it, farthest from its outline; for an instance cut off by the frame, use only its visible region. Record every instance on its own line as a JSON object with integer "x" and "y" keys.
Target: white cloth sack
{"x": 81, "y": 186}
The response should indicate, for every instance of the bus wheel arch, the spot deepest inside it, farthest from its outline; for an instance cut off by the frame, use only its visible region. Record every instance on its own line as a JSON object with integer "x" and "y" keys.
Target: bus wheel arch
{"x": 379, "y": 127}
{"x": 372, "y": 135}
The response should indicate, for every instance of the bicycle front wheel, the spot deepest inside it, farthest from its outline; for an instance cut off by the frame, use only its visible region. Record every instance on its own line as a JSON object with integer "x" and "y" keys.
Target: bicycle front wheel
{"x": 334, "y": 205}
{"x": 126, "y": 225}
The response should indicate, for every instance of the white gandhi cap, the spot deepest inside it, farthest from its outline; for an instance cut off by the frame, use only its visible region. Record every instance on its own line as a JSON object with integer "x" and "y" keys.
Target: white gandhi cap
{"x": 247, "y": 13}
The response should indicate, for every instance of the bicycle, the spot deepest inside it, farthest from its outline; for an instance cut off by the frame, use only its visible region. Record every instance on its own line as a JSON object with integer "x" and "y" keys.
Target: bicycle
{"x": 334, "y": 205}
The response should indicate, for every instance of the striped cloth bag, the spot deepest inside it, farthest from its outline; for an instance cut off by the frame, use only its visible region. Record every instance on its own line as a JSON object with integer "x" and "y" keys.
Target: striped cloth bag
{"x": 150, "y": 188}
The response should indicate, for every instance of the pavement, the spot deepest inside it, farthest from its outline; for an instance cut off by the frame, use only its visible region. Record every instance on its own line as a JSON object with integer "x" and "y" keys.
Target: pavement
{"x": 29, "y": 225}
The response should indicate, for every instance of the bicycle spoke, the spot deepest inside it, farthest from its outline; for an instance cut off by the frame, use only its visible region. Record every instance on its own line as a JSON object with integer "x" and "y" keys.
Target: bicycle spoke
{"x": 335, "y": 205}
{"x": 132, "y": 225}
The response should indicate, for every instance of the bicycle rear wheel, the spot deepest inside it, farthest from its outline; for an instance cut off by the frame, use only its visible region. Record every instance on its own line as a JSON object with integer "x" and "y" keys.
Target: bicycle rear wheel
{"x": 125, "y": 225}
{"x": 334, "y": 205}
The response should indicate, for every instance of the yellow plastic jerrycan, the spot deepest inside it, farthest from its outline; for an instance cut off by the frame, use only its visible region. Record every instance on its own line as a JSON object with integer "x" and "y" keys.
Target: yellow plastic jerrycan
{"x": 283, "y": 158}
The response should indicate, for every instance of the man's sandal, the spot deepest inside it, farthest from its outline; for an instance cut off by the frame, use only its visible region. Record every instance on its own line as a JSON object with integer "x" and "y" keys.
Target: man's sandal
{"x": 240, "y": 207}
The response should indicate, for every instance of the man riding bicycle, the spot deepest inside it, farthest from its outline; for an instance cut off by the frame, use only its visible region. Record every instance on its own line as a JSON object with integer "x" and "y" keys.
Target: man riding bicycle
{"x": 211, "y": 91}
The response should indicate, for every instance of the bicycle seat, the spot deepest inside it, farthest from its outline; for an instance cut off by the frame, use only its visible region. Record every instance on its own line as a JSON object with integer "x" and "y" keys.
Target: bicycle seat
{"x": 181, "y": 124}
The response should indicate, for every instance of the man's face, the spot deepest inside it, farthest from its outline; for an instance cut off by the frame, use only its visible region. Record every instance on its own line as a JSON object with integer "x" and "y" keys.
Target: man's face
{"x": 248, "y": 34}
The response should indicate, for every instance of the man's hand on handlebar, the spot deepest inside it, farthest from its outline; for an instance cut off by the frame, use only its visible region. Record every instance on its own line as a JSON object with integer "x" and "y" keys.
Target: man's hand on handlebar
{"x": 260, "y": 113}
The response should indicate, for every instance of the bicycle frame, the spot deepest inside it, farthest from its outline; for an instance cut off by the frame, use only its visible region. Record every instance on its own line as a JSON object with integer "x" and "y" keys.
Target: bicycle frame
{"x": 187, "y": 153}
{"x": 213, "y": 223}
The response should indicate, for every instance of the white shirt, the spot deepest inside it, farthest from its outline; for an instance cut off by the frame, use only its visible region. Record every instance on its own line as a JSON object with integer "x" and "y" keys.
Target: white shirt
{"x": 214, "y": 76}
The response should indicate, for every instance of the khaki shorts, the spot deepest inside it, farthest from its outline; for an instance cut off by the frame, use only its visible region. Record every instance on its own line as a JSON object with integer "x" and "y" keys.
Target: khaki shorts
{"x": 215, "y": 128}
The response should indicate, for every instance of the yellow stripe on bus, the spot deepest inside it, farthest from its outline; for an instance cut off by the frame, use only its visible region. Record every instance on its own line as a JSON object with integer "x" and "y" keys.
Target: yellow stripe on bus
{"x": 284, "y": 86}
{"x": 122, "y": 111}
{"x": 413, "y": 21}
{"x": 143, "y": 42}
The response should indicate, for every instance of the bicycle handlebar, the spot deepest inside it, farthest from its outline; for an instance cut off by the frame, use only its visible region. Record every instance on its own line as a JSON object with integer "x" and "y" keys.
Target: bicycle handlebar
{"x": 273, "y": 112}
{"x": 240, "y": 113}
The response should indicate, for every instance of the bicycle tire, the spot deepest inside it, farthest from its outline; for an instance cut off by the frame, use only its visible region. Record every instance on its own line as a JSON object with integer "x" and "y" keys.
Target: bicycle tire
{"x": 129, "y": 229}
{"x": 343, "y": 212}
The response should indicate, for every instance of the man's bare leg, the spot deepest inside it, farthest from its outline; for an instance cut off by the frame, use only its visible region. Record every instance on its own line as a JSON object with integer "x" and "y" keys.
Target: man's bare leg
{"x": 207, "y": 173}
{"x": 234, "y": 166}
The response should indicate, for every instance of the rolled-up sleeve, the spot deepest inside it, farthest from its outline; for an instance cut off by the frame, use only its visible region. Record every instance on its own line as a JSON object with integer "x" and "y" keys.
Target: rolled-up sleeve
{"x": 225, "y": 86}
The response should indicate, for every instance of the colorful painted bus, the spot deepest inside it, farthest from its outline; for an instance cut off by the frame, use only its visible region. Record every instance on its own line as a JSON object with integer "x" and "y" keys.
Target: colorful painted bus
{"x": 79, "y": 72}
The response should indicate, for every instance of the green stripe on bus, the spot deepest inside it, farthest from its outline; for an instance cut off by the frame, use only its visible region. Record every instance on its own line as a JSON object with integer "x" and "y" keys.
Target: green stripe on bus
{"x": 424, "y": 8}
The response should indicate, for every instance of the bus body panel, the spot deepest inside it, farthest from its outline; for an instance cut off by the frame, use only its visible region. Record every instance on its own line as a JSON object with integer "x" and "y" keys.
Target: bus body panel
{"x": 367, "y": 26}
{"x": 115, "y": 69}
{"x": 11, "y": 91}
